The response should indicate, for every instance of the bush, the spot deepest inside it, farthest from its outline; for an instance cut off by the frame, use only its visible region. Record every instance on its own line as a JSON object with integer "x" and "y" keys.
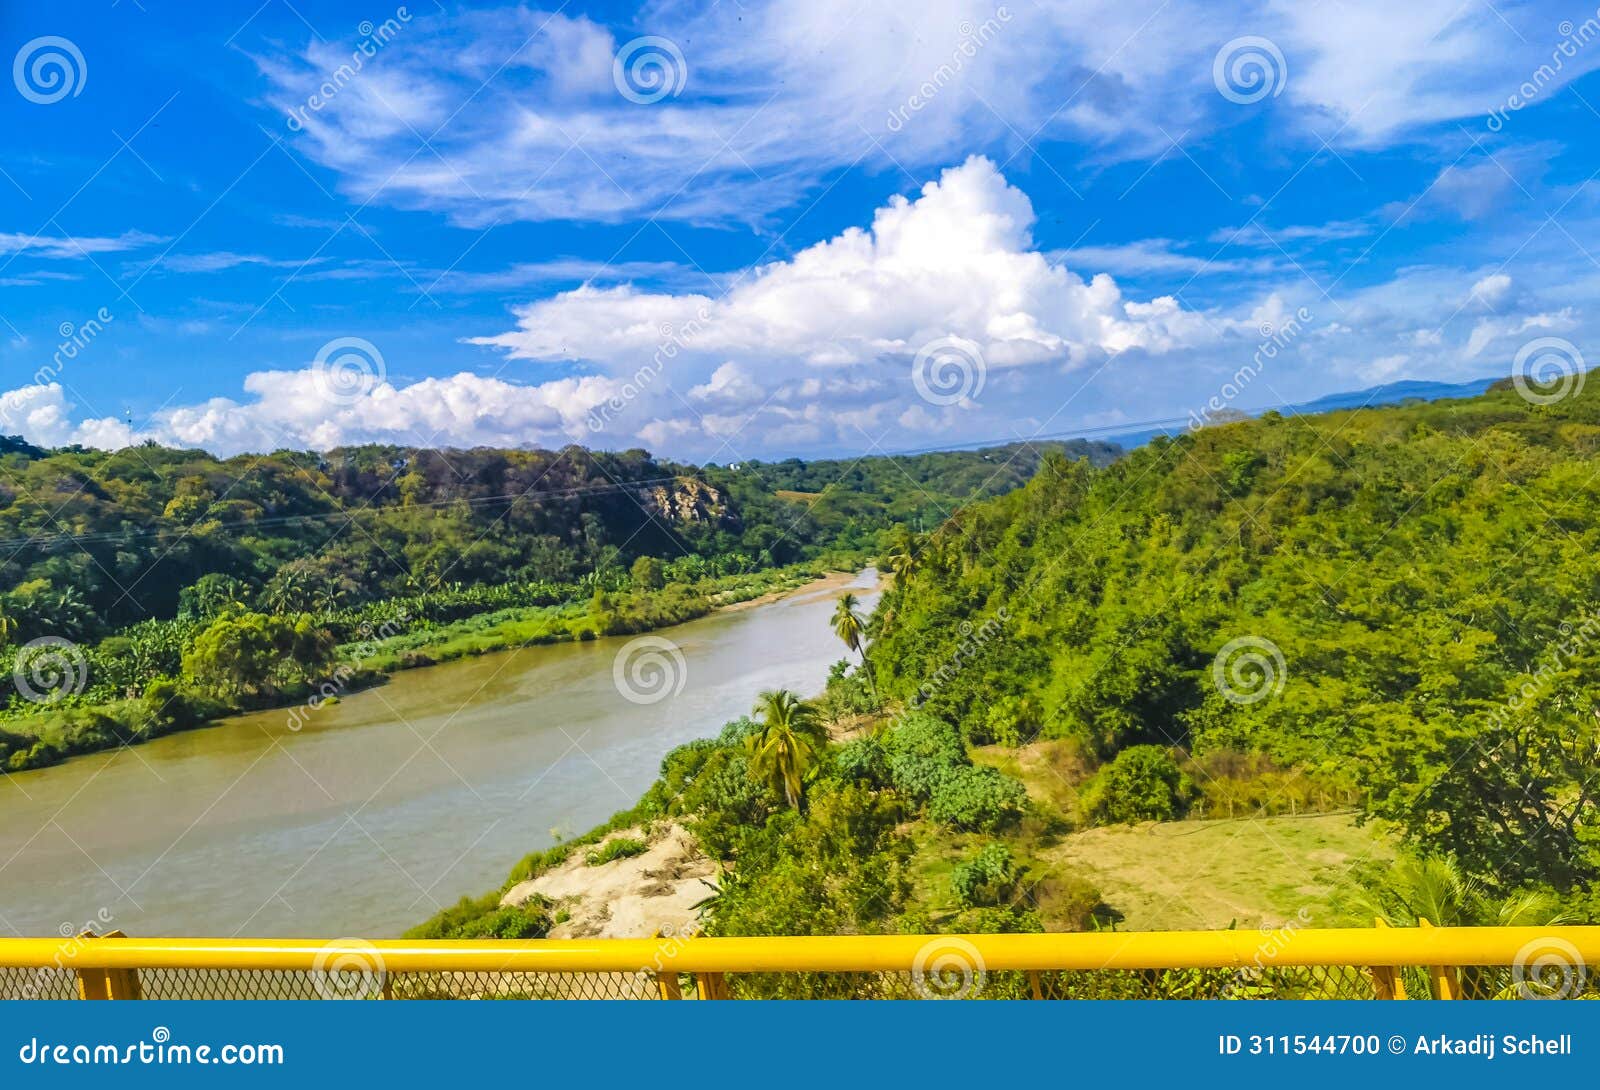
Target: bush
{"x": 622, "y": 847}
{"x": 975, "y": 798}
{"x": 862, "y": 761}
{"x": 921, "y": 751}
{"x": 726, "y": 800}
{"x": 1143, "y": 783}
{"x": 484, "y": 918}
{"x": 989, "y": 877}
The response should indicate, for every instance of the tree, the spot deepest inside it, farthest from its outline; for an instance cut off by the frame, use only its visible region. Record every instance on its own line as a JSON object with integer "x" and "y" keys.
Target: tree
{"x": 251, "y": 654}
{"x": 649, "y": 573}
{"x": 900, "y": 560}
{"x": 788, "y": 744}
{"x": 1513, "y": 801}
{"x": 851, "y": 627}
{"x": 210, "y": 595}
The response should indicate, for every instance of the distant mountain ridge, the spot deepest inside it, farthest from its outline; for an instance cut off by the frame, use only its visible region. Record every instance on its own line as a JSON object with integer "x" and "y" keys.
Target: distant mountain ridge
{"x": 1389, "y": 393}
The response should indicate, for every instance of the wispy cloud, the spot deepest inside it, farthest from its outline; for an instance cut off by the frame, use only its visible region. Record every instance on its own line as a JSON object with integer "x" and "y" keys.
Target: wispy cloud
{"x": 514, "y": 114}
{"x": 527, "y": 274}
{"x": 62, "y": 247}
{"x": 221, "y": 260}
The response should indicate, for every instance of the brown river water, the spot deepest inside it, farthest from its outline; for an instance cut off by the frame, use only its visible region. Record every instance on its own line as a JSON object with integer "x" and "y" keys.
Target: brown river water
{"x": 391, "y": 803}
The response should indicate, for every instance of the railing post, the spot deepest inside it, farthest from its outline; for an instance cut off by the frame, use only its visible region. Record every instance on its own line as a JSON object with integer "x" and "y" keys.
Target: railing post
{"x": 666, "y": 979}
{"x": 1446, "y": 984}
{"x": 1386, "y": 982}
{"x": 711, "y": 985}
{"x": 107, "y": 983}
{"x": 1033, "y": 984}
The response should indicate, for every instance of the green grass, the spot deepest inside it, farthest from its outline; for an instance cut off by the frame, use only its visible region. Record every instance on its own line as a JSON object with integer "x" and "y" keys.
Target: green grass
{"x": 1257, "y": 872}
{"x": 622, "y": 847}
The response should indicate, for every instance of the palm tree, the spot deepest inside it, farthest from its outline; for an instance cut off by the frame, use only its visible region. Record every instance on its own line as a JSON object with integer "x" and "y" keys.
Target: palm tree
{"x": 851, "y": 627}
{"x": 787, "y": 746}
{"x": 901, "y": 558}
{"x": 1435, "y": 889}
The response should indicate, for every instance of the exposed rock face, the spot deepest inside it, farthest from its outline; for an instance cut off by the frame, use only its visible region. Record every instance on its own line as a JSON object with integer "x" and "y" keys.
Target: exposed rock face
{"x": 686, "y": 500}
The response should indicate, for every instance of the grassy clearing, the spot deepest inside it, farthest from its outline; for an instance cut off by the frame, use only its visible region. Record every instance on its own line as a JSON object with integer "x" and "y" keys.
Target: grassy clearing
{"x": 1207, "y": 874}
{"x": 1053, "y": 771}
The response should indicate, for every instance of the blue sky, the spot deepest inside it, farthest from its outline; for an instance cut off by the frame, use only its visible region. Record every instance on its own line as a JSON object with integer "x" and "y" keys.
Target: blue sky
{"x": 735, "y": 230}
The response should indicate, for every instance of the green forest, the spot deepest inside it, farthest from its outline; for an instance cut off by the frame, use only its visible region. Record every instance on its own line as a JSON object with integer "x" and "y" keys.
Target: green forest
{"x": 149, "y": 589}
{"x": 1387, "y": 613}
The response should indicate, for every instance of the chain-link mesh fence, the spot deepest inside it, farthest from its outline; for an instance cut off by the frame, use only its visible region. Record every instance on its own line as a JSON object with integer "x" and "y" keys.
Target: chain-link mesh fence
{"x": 1292, "y": 982}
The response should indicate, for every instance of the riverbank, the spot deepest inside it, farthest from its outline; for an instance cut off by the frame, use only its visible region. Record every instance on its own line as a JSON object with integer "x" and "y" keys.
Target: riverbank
{"x": 377, "y": 811}
{"x": 169, "y": 705}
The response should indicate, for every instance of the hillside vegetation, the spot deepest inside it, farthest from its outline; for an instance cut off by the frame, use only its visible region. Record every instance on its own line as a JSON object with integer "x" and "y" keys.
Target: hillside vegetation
{"x": 1282, "y": 672}
{"x": 1396, "y": 606}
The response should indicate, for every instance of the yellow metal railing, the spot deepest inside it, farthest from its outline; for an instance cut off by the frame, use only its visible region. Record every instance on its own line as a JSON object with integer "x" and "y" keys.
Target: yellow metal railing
{"x": 1380, "y": 962}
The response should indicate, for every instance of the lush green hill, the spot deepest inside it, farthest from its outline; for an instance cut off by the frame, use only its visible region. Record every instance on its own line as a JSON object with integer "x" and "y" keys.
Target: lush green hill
{"x": 92, "y": 541}
{"x": 1401, "y": 602}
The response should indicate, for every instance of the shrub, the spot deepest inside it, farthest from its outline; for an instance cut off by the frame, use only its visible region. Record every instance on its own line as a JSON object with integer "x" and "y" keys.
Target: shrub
{"x": 921, "y": 751}
{"x": 976, "y": 798}
{"x": 1143, "y": 783}
{"x": 988, "y": 877}
{"x": 862, "y": 761}
{"x": 484, "y": 918}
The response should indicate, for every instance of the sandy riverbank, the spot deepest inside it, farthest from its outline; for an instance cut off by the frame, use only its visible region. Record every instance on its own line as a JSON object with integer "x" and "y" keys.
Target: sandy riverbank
{"x": 831, "y": 583}
{"x": 631, "y": 898}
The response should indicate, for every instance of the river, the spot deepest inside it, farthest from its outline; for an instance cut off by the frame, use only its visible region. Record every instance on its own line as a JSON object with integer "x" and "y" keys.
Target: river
{"x": 391, "y": 803}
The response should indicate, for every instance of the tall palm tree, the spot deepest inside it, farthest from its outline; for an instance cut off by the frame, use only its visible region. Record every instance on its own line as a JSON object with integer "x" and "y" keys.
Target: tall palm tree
{"x": 851, "y": 627}
{"x": 789, "y": 743}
